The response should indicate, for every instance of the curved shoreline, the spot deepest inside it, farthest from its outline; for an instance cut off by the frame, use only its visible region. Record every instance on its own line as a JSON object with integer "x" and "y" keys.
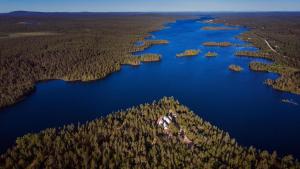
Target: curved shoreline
{"x": 269, "y": 53}
{"x": 97, "y": 94}
{"x": 165, "y": 126}
{"x": 28, "y": 90}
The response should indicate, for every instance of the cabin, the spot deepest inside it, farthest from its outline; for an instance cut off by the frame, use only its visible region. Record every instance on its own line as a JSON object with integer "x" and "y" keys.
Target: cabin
{"x": 164, "y": 121}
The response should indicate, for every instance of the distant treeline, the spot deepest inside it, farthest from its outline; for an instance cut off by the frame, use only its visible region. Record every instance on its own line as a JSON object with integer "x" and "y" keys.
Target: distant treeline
{"x": 282, "y": 32}
{"x": 80, "y": 48}
{"x": 133, "y": 139}
{"x": 220, "y": 44}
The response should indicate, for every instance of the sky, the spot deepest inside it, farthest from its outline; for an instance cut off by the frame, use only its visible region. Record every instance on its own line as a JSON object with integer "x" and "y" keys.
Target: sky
{"x": 148, "y": 5}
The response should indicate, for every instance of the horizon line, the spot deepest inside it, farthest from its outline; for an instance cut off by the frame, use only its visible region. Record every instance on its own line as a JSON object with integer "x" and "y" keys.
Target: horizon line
{"x": 225, "y": 11}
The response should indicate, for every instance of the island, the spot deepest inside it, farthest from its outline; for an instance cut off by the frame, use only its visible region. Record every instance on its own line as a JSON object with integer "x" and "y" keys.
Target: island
{"x": 190, "y": 52}
{"x": 220, "y": 44}
{"x": 211, "y": 54}
{"x": 277, "y": 42}
{"x": 157, "y": 42}
{"x": 235, "y": 68}
{"x": 161, "y": 134}
{"x": 218, "y": 28}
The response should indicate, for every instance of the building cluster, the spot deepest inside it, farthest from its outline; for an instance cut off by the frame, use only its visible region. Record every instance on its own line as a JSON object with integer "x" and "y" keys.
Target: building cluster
{"x": 166, "y": 120}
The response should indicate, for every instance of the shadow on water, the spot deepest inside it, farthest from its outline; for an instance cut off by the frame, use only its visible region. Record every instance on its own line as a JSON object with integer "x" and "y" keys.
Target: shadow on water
{"x": 238, "y": 103}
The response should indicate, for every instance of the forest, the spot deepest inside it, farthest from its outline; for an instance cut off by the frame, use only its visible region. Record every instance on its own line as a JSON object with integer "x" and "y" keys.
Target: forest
{"x": 211, "y": 54}
{"x": 235, "y": 68}
{"x": 189, "y": 52}
{"x": 69, "y": 46}
{"x": 217, "y": 28}
{"x": 136, "y": 60}
{"x": 133, "y": 139}
{"x": 220, "y": 44}
{"x": 282, "y": 31}
{"x": 288, "y": 81}
{"x": 277, "y": 35}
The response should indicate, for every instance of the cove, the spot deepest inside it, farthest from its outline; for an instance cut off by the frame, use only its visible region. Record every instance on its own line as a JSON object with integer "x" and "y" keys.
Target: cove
{"x": 238, "y": 103}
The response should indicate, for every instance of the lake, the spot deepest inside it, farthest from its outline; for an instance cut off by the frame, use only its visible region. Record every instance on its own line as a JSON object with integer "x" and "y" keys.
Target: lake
{"x": 238, "y": 103}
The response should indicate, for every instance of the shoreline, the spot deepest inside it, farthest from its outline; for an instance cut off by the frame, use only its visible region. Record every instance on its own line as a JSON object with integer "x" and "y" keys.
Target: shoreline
{"x": 266, "y": 51}
{"x": 164, "y": 124}
{"x": 146, "y": 44}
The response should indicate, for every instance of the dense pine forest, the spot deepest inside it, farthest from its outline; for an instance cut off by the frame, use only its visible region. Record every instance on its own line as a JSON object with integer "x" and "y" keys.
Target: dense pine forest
{"x": 89, "y": 46}
{"x": 278, "y": 36}
{"x": 282, "y": 30}
{"x": 68, "y": 46}
{"x": 135, "y": 138}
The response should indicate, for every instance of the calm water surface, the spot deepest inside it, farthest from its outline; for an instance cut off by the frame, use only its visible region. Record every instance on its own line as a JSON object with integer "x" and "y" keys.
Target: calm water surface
{"x": 238, "y": 103}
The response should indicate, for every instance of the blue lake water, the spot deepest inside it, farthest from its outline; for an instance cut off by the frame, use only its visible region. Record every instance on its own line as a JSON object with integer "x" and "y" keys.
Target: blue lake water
{"x": 238, "y": 103}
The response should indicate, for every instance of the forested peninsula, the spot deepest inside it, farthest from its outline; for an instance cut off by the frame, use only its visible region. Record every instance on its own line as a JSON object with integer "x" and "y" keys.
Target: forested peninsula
{"x": 162, "y": 134}
{"x": 69, "y": 46}
{"x": 277, "y": 36}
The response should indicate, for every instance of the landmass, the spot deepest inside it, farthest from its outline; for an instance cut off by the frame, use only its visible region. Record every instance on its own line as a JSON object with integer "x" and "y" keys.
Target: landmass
{"x": 150, "y": 57}
{"x": 220, "y": 44}
{"x": 69, "y": 46}
{"x": 289, "y": 80}
{"x": 235, "y": 68}
{"x": 254, "y": 54}
{"x": 190, "y": 52}
{"x": 280, "y": 30}
{"x": 27, "y": 34}
{"x": 162, "y": 134}
{"x": 211, "y": 54}
{"x": 277, "y": 36}
{"x": 136, "y": 61}
{"x": 217, "y": 28}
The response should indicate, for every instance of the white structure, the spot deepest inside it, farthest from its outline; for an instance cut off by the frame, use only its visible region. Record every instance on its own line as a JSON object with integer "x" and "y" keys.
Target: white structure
{"x": 165, "y": 121}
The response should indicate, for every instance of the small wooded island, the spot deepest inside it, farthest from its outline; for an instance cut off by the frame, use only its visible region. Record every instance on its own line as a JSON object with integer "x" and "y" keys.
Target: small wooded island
{"x": 211, "y": 54}
{"x": 162, "y": 134}
{"x": 220, "y": 44}
{"x": 217, "y": 28}
{"x": 235, "y": 68}
{"x": 190, "y": 52}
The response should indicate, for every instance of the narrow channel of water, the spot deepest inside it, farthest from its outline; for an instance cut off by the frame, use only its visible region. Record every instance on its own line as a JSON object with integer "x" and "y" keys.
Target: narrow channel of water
{"x": 238, "y": 103}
